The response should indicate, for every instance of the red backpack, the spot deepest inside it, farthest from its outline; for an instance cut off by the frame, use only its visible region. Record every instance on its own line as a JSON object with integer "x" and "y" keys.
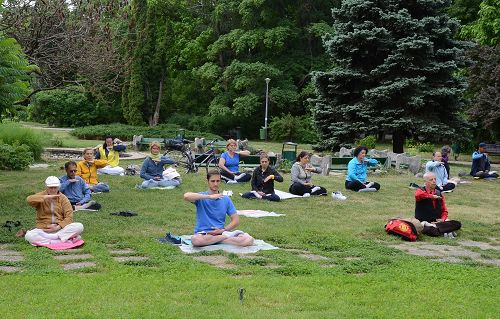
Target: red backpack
{"x": 404, "y": 229}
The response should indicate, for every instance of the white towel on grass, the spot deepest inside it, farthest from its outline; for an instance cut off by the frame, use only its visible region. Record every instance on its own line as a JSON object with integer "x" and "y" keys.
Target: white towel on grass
{"x": 256, "y": 213}
{"x": 257, "y": 245}
{"x": 284, "y": 195}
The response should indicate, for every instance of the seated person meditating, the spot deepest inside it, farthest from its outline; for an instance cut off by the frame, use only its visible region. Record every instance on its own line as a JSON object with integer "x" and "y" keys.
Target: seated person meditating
{"x": 438, "y": 167}
{"x": 76, "y": 190}
{"x": 263, "y": 178}
{"x": 357, "y": 172}
{"x": 430, "y": 210}
{"x": 301, "y": 177}
{"x": 211, "y": 210}
{"x": 110, "y": 151}
{"x": 152, "y": 169}
{"x": 229, "y": 164}
{"x": 481, "y": 164}
{"x": 54, "y": 216}
{"x": 87, "y": 170}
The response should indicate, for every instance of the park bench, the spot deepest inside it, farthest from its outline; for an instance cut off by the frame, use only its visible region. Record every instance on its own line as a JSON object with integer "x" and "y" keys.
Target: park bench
{"x": 493, "y": 149}
{"x": 140, "y": 142}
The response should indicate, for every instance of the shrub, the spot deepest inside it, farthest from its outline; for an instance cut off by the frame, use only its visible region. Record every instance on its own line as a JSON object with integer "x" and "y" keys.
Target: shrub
{"x": 126, "y": 132}
{"x": 293, "y": 128}
{"x": 13, "y": 134}
{"x": 15, "y": 157}
{"x": 425, "y": 147}
{"x": 369, "y": 141}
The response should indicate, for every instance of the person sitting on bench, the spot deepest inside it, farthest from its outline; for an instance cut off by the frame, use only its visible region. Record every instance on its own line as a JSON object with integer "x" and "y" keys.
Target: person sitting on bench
{"x": 431, "y": 211}
{"x": 263, "y": 178}
{"x": 211, "y": 210}
{"x": 301, "y": 177}
{"x": 229, "y": 164}
{"x": 357, "y": 172}
{"x": 437, "y": 166}
{"x": 481, "y": 164}
{"x": 152, "y": 169}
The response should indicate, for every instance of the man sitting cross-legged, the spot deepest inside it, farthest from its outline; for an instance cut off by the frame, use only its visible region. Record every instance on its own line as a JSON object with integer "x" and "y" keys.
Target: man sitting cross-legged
{"x": 211, "y": 210}
{"x": 76, "y": 190}
{"x": 263, "y": 178}
{"x": 481, "y": 164}
{"x": 431, "y": 211}
{"x": 54, "y": 216}
{"x": 437, "y": 166}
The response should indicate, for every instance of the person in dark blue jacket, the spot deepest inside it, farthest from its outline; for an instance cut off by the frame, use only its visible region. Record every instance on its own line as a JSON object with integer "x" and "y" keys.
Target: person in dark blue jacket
{"x": 357, "y": 172}
{"x": 152, "y": 170}
{"x": 481, "y": 164}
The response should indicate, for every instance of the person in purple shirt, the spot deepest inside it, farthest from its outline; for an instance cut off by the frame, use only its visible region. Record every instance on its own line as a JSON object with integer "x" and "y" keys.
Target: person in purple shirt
{"x": 211, "y": 210}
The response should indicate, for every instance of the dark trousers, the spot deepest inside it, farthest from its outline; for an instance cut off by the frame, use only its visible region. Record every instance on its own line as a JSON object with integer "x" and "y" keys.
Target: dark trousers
{"x": 442, "y": 228}
{"x": 300, "y": 189}
{"x": 271, "y": 197}
{"x": 448, "y": 187}
{"x": 225, "y": 175}
{"x": 486, "y": 175}
{"x": 357, "y": 185}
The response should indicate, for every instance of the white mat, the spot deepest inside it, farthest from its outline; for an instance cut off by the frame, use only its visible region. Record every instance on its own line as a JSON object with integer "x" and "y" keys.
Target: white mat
{"x": 258, "y": 245}
{"x": 256, "y": 213}
{"x": 284, "y": 195}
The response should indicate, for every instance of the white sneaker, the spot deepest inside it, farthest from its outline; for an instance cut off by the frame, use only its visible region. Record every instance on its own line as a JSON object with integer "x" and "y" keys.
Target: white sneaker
{"x": 369, "y": 185}
{"x": 237, "y": 177}
{"x": 338, "y": 195}
{"x": 231, "y": 182}
{"x": 315, "y": 188}
{"x": 306, "y": 195}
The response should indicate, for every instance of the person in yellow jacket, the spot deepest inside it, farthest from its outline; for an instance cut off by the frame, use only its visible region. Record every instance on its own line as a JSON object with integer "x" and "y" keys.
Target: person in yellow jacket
{"x": 54, "y": 216}
{"x": 110, "y": 151}
{"x": 87, "y": 170}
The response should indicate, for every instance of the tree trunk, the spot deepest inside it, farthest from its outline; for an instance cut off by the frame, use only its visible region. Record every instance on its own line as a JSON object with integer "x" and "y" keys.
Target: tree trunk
{"x": 398, "y": 141}
{"x": 156, "y": 115}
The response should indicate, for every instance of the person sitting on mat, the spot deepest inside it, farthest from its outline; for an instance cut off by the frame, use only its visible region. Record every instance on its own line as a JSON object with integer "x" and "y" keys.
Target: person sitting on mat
{"x": 54, "y": 216}
{"x": 229, "y": 164}
{"x": 263, "y": 178}
{"x": 76, "y": 190}
{"x": 152, "y": 169}
{"x": 87, "y": 169}
{"x": 357, "y": 172}
{"x": 110, "y": 151}
{"x": 481, "y": 164}
{"x": 211, "y": 210}
{"x": 301, "y": 177}
{"x": 438, "y": 167}
{"x": 431, "y": 211}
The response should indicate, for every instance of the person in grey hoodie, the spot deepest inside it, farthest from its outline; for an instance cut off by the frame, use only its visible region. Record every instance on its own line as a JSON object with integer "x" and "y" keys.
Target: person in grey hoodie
{"x": 301, "y": 177}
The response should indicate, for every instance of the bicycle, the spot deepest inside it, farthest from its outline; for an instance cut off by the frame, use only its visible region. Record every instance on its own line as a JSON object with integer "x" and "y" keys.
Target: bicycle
{"x": 177, "y": 150}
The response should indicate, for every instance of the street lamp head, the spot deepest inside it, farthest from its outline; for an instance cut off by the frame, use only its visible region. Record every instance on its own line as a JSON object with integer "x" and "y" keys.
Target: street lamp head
{"x": 267, "y": 80}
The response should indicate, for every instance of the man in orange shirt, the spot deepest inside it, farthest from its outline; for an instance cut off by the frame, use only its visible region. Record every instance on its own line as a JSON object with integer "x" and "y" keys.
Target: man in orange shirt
{"x": 87, "y": 169}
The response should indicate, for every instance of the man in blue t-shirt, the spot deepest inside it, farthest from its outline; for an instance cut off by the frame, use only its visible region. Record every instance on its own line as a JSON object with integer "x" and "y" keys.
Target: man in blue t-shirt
{"x": 211, "y": 210}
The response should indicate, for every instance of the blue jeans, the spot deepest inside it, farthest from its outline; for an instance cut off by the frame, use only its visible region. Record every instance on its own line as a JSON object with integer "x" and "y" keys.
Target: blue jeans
{"x": 150, "y": 183}
{"x": 100, "y": 188}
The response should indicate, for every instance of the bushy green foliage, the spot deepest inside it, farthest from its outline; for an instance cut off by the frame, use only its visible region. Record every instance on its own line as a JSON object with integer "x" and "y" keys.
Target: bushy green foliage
{"x": 394, "y": 70}
{"x": 64, "y": 107}
{"x": 426, "y": 147}
{"x": 17, "y": 157}
{"x": 15, "y": 135}
{"x": 486, "y": 29}
{"x": 127, "y": 132}
{"x": 369, "y": 141}
{"x": 293, "y": 128}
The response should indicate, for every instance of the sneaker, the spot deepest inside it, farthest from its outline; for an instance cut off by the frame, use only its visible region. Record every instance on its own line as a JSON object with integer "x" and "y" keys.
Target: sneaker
{"x": 369, "y": 185}
{"x": 238, "y": 177}
{"x": 315, "y": 188}
{"x": 306, "y": 195}
{"x": 338, "y": 195}
{"x": 169, "y": 238}
{"x": 231, "y": 182}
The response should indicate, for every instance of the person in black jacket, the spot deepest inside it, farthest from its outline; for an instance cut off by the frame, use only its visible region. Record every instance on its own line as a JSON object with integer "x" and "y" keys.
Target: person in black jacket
{"x": 263, "y": 178}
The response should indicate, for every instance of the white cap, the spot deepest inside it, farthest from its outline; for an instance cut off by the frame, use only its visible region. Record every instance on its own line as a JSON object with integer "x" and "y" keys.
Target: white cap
{"x": 52, "y": 181}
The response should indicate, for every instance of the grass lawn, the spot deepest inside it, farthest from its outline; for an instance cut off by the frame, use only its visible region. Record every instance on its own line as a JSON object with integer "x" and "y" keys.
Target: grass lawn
{"x": 362, "y": 277}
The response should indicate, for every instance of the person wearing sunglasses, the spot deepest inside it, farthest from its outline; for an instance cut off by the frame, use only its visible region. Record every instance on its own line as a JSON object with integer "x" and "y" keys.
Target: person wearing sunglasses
{"x": 76, "y": 190}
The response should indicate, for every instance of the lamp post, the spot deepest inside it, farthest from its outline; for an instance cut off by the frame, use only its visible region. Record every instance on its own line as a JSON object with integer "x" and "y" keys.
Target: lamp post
{"x": 267, "y": 104}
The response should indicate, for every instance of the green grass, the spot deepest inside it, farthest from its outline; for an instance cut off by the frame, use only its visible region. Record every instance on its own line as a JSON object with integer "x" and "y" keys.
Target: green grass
{"x": 363, "y": 278}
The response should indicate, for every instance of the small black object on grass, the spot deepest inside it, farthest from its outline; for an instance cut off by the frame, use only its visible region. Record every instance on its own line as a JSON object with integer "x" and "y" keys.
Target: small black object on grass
{"x": 241, "y": 292}
{"x": 124, "y": 214}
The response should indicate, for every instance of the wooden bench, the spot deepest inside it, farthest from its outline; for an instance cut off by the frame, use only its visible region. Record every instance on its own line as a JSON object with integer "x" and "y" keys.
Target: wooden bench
{"x": 493, "y": 149}
{"x": 340, "y": 163}
{"x": 139, "y": 141}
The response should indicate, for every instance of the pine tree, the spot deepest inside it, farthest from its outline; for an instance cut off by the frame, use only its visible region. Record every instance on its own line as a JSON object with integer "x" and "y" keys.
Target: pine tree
{"x": 394, "y": 71}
